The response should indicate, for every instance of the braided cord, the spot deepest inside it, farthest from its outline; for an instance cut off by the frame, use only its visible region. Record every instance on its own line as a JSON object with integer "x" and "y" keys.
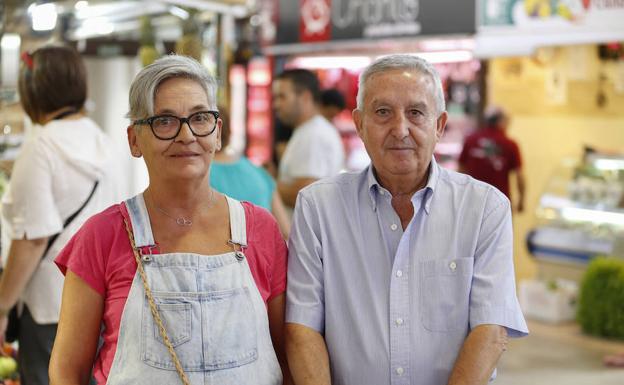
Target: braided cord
{"x": 154, "y": 309}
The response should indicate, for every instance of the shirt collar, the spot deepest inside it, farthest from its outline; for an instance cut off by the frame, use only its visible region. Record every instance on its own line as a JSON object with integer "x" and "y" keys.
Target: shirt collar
{"x": 375, "y": 189}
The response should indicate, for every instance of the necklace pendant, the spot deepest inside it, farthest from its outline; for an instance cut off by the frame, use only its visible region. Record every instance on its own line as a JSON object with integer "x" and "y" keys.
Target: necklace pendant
{"x": 181, "y": 221}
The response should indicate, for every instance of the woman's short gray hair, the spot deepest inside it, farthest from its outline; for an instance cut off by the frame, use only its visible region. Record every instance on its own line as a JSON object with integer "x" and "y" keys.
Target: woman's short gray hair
{"x": 145, "y": 84}
{"x": 407, "y": 62}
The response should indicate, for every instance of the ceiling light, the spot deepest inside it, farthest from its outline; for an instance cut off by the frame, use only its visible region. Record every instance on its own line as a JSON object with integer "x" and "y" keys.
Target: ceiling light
{"x": 44, "y": 17}
{"x": 81, "y": 5}
{"x": 329, "y": 62}
{"x": 179, "y": 12}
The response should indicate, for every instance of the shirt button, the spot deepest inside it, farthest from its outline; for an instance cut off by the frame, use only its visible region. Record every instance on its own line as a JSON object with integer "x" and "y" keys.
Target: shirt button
{"x": 400, "y": 371}
{"x": 399, "y": 273}
{"x": 399, "y": 321}
{"x": 381, "y": 192}
{"x": 453, "y": 265}
{"x": 393, "y": 227}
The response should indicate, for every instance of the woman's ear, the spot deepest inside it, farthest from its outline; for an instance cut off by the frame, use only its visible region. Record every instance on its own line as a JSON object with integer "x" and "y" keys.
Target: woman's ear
{"x": 132, "y": 142}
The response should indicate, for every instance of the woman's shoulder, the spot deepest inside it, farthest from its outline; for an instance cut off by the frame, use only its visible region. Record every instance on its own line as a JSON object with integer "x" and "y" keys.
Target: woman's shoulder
{"x": 107, "y": 221}
{"x": 257, "y": 215}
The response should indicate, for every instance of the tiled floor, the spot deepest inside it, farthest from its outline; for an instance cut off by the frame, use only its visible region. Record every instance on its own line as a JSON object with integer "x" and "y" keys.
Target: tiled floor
{"x": 561, "y": 354}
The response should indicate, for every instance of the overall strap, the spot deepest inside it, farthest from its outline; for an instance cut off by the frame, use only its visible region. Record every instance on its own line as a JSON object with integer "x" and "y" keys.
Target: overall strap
{"x": 238, "y": 228}
{"x": 141, "y": 227}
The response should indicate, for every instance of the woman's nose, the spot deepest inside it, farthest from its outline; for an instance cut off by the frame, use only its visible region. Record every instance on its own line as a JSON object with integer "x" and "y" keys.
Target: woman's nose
{"x": 185, "y": 135}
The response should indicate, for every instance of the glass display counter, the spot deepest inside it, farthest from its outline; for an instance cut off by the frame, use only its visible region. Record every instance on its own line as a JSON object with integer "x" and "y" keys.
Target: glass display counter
{"x": 581, "y": 212}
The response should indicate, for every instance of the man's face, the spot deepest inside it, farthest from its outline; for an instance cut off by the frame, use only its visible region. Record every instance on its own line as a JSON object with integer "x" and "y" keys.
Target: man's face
{"x": 286, "y": 102}
{"x": 399, "y": 123}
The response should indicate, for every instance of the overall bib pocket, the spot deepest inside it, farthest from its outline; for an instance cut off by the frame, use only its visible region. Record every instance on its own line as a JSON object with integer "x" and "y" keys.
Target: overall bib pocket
{"x": 209, "y": 330}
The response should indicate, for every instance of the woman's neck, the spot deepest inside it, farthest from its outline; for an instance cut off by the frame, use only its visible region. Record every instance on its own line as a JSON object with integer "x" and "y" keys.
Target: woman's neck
{"x": 72, "y": 114}
{"x": 183, "y": 195}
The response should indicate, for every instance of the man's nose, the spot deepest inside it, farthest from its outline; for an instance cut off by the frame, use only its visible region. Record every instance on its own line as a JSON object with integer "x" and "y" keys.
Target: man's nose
{"x": 400, "y": 126}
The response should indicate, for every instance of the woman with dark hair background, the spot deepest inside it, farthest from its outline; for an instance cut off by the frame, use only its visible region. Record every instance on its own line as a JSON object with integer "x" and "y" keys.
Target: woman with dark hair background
{"x": 62, "y": 176}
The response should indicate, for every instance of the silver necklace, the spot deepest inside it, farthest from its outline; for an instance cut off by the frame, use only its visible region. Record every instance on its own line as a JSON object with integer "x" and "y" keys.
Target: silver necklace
{"x": 182, "y": 220}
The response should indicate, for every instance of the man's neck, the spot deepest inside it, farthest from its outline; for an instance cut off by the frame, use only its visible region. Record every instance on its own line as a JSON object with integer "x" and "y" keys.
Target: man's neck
{"x": 401, "y": 185}
{"x": 305, "y": 117}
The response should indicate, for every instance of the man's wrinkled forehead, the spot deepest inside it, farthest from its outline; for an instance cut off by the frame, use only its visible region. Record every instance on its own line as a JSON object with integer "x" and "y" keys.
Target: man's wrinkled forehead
{"x": 405, "y": 77}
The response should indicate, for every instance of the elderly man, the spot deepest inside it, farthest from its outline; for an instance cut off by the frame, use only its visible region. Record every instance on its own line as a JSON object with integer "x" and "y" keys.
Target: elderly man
{"x": 402, "y": 273}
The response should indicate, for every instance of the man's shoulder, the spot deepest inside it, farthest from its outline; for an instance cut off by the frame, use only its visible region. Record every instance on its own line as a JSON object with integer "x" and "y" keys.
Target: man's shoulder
{"x": 458, "y": 183}
{"x": 327, "y": 188}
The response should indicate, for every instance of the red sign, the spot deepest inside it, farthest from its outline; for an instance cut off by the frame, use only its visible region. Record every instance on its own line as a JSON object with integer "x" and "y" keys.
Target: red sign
{"x": 315, "y": 20}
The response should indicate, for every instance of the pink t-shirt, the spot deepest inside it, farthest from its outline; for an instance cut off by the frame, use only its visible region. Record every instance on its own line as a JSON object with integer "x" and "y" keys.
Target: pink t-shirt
{"x": 101, "y": 255}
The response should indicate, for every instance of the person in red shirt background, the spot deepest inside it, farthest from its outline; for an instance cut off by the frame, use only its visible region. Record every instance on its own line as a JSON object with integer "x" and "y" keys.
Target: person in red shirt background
{"x": 490, "y": 156}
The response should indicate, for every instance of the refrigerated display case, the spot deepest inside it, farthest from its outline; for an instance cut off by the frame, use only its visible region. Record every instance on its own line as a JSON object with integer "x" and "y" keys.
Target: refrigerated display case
{"x": 581, "y": 212}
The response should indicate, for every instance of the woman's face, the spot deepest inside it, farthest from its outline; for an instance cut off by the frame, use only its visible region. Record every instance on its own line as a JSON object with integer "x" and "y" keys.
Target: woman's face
{"x": 186, "y": 156}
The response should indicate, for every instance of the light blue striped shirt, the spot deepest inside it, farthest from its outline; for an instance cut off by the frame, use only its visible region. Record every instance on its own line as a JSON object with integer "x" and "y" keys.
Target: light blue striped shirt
{"x": 395, "y": 307}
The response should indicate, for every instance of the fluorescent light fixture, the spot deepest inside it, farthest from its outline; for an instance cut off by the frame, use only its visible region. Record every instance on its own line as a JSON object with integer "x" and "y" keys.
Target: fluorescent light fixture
{"x": 179, "y": 12}
{"x": 10, "y": 41}
{"x": 585, "y": 215}
{"x": 9, "y": 59}
{"x": 447, "y": 44}
{"x": 82, "y": 4}
{"x": 445, "y": 56}
{"x": 329, "y": 62}
{"x": 609, "y": 164}
{"x": 44, "y": 17}
{"x": 94, "y": 27}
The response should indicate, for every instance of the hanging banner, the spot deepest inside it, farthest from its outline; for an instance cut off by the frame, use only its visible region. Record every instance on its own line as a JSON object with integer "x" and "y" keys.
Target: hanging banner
{"x": 517, "y": 27}
{"x": 313, "y": 21}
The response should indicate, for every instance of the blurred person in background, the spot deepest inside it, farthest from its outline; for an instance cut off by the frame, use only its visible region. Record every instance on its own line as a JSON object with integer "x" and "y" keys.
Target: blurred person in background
{"x": 62, "y": 176}
{"x": 491, "y": 156}
{"x": 240, "y": 179}
{"x": 332, "y": 103}
{"x": 615, "y": 360}
{"x": 315, "y": 149}
{"x": 188, "y": 283}
{"x": 401, "y": 273}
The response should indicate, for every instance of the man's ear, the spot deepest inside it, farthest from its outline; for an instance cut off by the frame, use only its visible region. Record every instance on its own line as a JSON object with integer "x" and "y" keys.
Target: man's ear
{"x": 441, "y": 124}
{"x": 132, "y": 142}
{"x": 357, "y": 119}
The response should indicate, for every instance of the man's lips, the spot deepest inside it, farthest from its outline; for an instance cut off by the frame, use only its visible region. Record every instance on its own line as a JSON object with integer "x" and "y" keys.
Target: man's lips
{"x": 400, "y": 148}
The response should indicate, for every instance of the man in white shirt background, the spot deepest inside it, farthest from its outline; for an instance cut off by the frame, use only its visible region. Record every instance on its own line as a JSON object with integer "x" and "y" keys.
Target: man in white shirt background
{"x": 315, "y": 150}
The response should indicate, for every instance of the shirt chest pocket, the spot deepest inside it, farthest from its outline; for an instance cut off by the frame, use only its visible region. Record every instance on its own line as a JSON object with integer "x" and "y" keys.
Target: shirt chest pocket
{"x": 209, "y": 331}
{"x": 445, "y": 293}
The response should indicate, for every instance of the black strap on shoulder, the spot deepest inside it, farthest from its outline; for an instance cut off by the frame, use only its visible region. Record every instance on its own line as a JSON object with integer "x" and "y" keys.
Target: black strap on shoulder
{"x": 68, "y": 221}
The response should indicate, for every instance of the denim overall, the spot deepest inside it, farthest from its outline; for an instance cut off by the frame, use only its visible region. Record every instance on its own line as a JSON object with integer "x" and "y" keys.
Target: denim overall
{"x": 212, "y": 311}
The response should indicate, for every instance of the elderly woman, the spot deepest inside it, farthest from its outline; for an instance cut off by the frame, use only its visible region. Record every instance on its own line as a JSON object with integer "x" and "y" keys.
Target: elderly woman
{"x": 65, "y": 174}
{"x": 188, "y": 283}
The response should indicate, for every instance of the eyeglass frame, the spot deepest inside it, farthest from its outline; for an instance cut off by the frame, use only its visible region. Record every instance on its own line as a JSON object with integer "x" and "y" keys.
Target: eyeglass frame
{"x": 181, "y": 120}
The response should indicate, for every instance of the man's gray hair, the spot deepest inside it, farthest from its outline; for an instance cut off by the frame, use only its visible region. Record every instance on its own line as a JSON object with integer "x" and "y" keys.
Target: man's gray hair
{"x": 405, "y": 62}
{"x": 145, "y": 84}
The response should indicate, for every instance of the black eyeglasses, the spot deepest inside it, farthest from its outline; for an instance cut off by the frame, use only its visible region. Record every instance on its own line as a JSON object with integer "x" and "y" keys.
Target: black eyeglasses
{"x": 166, "y": 127}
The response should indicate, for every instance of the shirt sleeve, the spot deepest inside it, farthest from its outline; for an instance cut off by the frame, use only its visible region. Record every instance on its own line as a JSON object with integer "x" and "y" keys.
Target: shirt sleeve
{"x": 304, "y": 296}
{"x": 83, "y": 254}
{"x": 493, "y": 295}
{"x": 516, "y": 159}
{"x": 29, "y": 205}
{"x": 268, "y": 179}
{"x": 269, "y": 267}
